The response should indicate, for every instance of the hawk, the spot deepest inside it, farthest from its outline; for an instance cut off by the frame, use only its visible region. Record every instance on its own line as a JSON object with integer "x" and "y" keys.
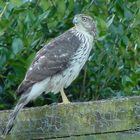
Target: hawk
{"x": 57, "y": 64}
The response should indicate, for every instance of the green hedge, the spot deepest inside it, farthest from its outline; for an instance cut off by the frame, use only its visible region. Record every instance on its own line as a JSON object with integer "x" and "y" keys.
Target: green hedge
{"x": 113, "y": 69}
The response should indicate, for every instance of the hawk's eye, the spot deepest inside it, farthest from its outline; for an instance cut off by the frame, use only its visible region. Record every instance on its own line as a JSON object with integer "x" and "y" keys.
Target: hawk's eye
{"x": 84, "y": 19}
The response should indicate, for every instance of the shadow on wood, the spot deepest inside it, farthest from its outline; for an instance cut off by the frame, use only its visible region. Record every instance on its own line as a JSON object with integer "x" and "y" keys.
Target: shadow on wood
{"x": 75, "y": 120}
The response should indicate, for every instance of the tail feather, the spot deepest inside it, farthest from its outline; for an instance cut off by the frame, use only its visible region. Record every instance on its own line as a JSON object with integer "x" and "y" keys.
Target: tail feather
{"x": 21, "y": 103}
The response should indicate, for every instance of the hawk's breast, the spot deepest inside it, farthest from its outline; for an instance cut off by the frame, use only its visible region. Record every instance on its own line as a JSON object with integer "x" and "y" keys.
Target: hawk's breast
{"x": 76, "y": 63}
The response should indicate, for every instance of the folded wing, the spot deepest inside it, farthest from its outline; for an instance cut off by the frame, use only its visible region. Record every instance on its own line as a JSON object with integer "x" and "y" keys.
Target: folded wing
{"x": 52, "y": 59}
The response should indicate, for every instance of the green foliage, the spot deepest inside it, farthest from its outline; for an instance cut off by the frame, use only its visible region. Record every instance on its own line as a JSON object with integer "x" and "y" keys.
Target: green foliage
{"x": 114, "y": 66}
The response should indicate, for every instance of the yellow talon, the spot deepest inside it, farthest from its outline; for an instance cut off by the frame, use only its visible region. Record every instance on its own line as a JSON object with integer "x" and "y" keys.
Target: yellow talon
{"x": 64, "y": 97}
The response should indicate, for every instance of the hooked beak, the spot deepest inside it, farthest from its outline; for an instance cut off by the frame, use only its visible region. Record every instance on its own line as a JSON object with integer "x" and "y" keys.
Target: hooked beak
{"x": 75, "y": 20}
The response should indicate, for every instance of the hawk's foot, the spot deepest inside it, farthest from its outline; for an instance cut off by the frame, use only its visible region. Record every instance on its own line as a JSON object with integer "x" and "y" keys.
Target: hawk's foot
{"x": 64, "y": 97}
{"x": 65, "y": 101}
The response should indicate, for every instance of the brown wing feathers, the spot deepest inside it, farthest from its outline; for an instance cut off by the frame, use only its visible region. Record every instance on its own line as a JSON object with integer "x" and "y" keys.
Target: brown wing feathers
{"x": 50, "y": 60}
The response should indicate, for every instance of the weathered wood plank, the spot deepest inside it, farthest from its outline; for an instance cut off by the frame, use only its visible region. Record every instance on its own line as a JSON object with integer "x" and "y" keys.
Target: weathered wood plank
{"x": 75, "y": 119}
{"x": 110, "y": 136}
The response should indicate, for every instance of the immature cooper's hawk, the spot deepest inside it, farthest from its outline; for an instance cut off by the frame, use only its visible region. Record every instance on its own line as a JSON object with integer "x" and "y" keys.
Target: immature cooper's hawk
{"x": 57, "y": 64}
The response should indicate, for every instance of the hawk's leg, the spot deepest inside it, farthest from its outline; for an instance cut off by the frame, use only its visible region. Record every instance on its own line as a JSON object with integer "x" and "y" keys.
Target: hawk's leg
{"x": 64, "y": 97}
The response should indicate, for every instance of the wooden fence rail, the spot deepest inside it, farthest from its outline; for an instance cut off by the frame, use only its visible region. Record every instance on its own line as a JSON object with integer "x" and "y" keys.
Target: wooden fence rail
{"x": 77, "y": 121}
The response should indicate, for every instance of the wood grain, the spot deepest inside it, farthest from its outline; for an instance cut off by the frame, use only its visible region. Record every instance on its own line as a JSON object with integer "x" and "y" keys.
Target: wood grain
{"x": 75, "y": 119}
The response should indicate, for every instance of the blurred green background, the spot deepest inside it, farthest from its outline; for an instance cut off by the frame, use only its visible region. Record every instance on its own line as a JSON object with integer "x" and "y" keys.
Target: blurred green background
{"x": 114, "y": 66}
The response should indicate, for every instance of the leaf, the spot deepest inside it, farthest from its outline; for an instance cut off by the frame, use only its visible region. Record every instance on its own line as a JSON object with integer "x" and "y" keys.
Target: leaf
{"x": 2, "y": 60}
{"x": 125, "y": 40}
{"x": 102, "y": 24}
{"x": 19, "y": 10}
{"x": 1, "y": 89}
{"x": 4, "y": 23}
{"x": 30, "y": 59}
{"x": 127, "y": 14}
{"x": 126, "y": 79}
{"x": 17, "y": 45}
{"x": 120, "y": 29}
{"x": 110, "y": 21}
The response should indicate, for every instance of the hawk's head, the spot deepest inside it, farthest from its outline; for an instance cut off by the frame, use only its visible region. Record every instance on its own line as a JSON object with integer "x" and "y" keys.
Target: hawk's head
{"x": 85, "y": 23}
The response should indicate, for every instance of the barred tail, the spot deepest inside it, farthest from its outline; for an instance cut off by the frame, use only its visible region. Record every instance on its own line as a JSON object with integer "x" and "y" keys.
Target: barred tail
{"x": 21, "y": 103}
